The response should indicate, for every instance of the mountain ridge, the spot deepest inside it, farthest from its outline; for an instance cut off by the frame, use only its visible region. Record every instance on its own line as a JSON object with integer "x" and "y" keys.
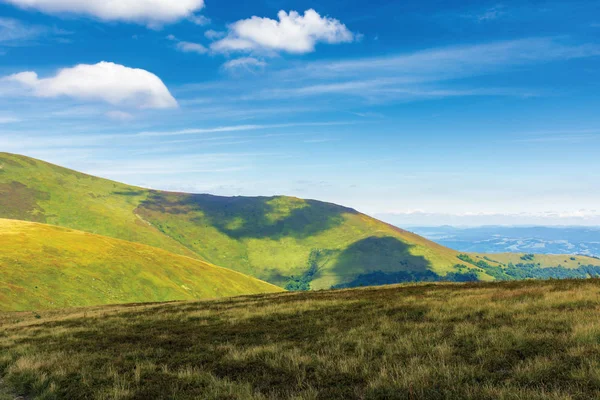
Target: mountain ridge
{"x": 293, "y": 243}
{"x": 271, "y": 238}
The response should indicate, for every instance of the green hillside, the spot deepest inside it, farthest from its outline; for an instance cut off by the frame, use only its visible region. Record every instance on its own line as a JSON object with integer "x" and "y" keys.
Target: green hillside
{"x": 276, "y": 238}
{"x": 294, "y": 243}
{"x": 528, "y": 340}
{"x": 287, "y": 241}
{"x": 33, "y": 190}
{"x": 43, "y": 266}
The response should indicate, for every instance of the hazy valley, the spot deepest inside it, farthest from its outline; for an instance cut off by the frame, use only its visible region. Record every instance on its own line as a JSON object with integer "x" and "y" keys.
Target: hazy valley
{"x": 501, "y": 239}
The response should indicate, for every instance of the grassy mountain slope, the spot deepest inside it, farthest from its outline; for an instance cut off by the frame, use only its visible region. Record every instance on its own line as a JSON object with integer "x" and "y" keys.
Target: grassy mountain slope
{"x": 43, "y": 266}
{"x": 291, "y": 242}
{"x": 37, "y": 191}
{"x": 283, "y": 240}
{"x": 510, "y": 340}
{"x": 275, "y": 238}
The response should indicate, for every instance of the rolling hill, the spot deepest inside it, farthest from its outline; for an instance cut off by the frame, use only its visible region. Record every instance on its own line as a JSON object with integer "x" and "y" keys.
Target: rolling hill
{"x": 36, "y": 191}
{"x": 43, "y": 266}
{"x": 283, "y": 240}
{"x": 290, "y": 242}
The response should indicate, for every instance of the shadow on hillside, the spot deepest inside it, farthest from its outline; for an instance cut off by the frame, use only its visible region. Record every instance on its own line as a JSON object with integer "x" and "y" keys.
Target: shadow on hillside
{"x": 18, "y": 201}
{"x": 387, "y": 260}
{"x": 129, "y": 193}
{"x": 251, "y": 217}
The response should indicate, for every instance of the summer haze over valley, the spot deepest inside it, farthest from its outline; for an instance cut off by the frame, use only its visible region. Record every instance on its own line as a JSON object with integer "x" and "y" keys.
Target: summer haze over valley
{"x": 299, "y": 200}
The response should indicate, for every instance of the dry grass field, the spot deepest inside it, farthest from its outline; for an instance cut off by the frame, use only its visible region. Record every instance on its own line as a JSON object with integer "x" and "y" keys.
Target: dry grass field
{"x": 509, "y": 340}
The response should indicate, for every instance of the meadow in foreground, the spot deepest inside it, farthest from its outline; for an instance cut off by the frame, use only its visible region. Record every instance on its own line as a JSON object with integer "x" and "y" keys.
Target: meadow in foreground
{"x": 511, "y": 340}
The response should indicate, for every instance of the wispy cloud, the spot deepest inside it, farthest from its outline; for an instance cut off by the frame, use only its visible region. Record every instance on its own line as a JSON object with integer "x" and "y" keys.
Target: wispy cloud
{"x": 381, "y": 90}
{"x": 119, "y": 115}
{"x": 492, "y": 13}
{"x": 214, "y": 35}
{"x": 165, "y": 169}
{"x": 428, "y": 74}
{"x": 9, "y": 120}
{"x": 15, "y": 33}
{"x": 320, "y": 140}
{"x": 457, "y": 61}
{"x": 368, "y": 114}
{"x": 235, "y": 128}
{"x": 200, "y": 20}
{"x": 247, "y": 64}
{"x": 187, "y": 47}
{"x": 237, "y": 112}
{"x": 190, "y": 47}
{"x": 19, "y": 141}
{"x": 181, "y": 164}
{"x": 559, "y": 136}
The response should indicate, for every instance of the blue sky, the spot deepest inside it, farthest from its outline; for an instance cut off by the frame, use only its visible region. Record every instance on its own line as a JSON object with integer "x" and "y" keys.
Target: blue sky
{"x": 420, "y": 113}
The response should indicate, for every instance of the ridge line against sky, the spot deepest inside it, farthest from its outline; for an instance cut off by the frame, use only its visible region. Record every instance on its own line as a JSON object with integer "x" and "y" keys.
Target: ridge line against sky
{"x": 388, "y": 109}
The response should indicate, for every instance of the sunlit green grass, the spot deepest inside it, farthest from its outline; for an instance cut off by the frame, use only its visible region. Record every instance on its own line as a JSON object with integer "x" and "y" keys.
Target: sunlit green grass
{"x": 43, "y": 266}
{"x": 512, "y": 340}
{"x": 269, "y": 238}
{"x": 276, "y": 246}
{"x": 58, "y": 196}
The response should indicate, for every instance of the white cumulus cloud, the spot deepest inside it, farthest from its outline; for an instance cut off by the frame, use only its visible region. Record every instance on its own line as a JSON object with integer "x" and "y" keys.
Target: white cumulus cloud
{"x": 292, "y": 33}
{"x": 143, "y": 11}
{"x": 105, "y": 81}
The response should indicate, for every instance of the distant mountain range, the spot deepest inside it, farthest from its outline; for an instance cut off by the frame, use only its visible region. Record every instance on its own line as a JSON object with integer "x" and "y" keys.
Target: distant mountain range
{"x": 502, "y": 239}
